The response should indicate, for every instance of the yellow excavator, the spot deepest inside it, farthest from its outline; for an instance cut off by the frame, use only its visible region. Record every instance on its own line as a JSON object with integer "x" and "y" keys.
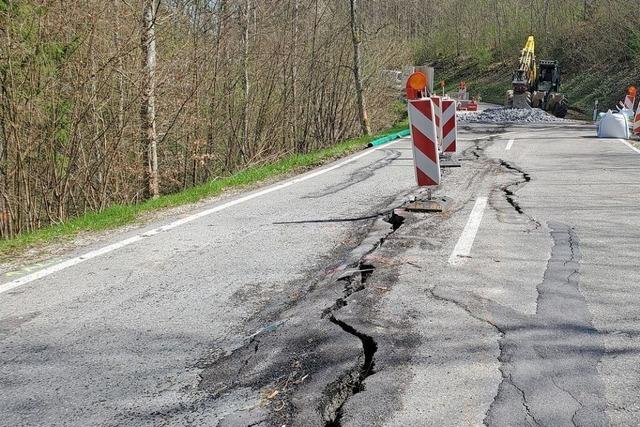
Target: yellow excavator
{"x": 537, "y": 86}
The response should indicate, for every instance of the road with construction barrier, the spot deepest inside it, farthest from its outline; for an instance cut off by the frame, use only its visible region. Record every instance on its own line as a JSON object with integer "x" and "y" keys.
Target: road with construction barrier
{"x": 326, "y": 300}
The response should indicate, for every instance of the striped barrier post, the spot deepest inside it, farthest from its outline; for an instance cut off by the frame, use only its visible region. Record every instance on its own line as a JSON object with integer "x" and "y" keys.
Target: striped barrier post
{"x": 437, "y": 112}
{"x": 424, "y": 135}
{"x": 629, "y": 102}
{"x": 636, "y": 122}
{"x": 449, "y": 127}
{"x": 630, "y": 99}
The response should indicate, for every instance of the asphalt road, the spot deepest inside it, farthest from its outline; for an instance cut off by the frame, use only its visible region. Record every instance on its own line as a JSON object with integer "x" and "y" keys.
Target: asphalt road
{"x": 321, "y": 301}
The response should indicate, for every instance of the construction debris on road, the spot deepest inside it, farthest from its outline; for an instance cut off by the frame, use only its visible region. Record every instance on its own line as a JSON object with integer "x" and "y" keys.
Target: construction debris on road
{"x": 508, "y": 115}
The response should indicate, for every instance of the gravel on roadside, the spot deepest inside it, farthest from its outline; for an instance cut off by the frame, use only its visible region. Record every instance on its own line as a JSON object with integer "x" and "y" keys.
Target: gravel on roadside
{"x": 509, "y": 115}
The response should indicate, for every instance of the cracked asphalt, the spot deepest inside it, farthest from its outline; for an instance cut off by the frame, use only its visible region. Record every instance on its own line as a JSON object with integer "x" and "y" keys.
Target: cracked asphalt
{"x": 327, "y": 303}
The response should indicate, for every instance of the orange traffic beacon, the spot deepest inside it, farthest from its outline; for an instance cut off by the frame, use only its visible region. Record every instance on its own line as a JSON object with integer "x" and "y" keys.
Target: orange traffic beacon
{"x": 416, "y": 86}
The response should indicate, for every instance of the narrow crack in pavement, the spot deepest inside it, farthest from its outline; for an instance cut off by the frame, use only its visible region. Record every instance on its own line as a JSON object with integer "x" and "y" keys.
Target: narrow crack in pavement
{"x": 529, "y": 416}
{"x": 512, "y": 188}
{"x": 538, "y": 352}
{"x": 557, "y": 345}
{"x": 359, "y": 175}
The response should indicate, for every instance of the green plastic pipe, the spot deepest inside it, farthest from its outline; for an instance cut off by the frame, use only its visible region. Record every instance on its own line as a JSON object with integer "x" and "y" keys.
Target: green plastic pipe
{"x": 389, "y": 138}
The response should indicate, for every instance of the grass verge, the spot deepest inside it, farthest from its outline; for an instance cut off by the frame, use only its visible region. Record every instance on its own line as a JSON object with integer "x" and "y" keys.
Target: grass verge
{"x": 120, "y": 215}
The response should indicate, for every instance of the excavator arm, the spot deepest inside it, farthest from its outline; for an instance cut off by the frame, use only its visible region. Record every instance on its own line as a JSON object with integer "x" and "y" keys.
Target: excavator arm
{"x": 525, "y": 76}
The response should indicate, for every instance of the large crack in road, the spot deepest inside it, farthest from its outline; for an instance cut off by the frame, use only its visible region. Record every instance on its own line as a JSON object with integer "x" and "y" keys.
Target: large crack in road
{"x": 352, "y": 381}
{"x": 305, "y": 370}
{"x": 303, "y": 358}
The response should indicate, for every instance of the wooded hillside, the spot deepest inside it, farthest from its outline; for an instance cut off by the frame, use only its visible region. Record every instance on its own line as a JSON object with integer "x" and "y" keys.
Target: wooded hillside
{"x": 112, "y": 102}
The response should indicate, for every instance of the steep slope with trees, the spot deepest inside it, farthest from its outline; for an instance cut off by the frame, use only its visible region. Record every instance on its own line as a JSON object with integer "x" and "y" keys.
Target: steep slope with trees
{"x": 114, "y": 102}
{"x": 597, "y": 43}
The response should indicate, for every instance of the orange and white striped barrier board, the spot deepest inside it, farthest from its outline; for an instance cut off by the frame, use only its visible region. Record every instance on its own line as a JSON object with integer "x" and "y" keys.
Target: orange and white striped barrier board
{"x": 449, "y": 126}
{"x": 630, "y": 99}
{"x": 437, "y": 104}
{"x": 629, "y": 102}
{"x": 425, "y": 142}
{"x": 462, "y": 92}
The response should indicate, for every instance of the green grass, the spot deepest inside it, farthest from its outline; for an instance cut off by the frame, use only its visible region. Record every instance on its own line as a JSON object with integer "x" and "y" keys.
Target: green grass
{"x": 120, "y": 215}
{"x": 489, "y": 81}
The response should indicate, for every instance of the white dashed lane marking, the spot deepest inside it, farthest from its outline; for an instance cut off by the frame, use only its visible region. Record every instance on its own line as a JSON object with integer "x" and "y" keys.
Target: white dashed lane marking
{"x": 462, "y": 249}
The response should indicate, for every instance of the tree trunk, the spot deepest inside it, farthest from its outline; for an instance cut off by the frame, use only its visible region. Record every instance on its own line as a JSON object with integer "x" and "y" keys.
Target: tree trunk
{"x": 498, "y": 29}
{"x": 148, "y": 110}
{"x": 244, "y": 146}
{"x": 298, "y": 143}
{"x": 356, "y": 37}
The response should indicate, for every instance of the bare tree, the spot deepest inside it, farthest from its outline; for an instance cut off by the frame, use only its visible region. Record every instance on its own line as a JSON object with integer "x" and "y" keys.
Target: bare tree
{"x": 148, "y": 108}
{"x": 245, "y": 20}
{"x": 356, "y": 38}
{"x": 294, "y": 75}
{"x": 88, "y": 119}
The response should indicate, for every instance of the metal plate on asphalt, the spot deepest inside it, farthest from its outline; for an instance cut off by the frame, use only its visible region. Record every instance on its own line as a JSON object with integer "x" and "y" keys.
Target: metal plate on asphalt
{"x": 428, "y": 206}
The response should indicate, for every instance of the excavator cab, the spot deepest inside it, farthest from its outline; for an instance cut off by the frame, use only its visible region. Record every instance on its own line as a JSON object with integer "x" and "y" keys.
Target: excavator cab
{"x": 546, "y": 93}
{"x": 549, "y": 77}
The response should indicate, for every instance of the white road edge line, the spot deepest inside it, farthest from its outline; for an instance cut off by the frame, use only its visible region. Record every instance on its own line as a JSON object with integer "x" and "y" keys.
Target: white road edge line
{"x": 510, "y": 144}
{"x": 465, "y": 242}
{"x": 628, "y": 144}
{"x": 110, "y": 248}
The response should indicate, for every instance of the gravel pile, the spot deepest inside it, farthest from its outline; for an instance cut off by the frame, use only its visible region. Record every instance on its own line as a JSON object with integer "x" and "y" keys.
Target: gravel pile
{"x": 508, "y": 115}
